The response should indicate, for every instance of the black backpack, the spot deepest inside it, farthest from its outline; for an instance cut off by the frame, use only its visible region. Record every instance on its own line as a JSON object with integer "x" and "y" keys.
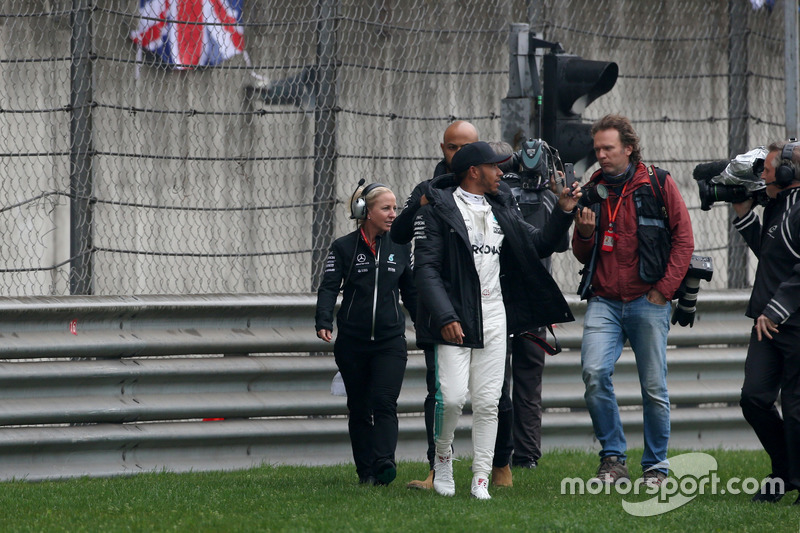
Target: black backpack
{"x": 655, "y": 239}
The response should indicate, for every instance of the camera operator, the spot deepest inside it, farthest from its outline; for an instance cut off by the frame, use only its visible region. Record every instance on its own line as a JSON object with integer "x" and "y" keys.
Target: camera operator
{"x": 636, "y": 258}
{"x": 773, "y": 357}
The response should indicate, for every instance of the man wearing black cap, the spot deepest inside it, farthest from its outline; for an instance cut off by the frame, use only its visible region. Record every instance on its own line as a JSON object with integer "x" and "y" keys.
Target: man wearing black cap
{"x": 479, "y": 276}
{"x": 459, "y": 133}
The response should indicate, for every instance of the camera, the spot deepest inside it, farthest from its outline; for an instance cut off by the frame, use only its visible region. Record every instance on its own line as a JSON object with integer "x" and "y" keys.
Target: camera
{"x": 732, "y": 181}
{"x": 532, "y": 165}
{"x": 592, "y": 194}
{"x": 699, "y": 268}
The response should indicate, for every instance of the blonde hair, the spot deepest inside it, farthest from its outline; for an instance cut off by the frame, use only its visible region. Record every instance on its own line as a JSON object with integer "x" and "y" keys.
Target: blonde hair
{"x": 369, "y": 199}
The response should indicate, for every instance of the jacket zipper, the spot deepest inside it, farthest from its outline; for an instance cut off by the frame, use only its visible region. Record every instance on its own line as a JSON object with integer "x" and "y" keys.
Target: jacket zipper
{"x": 375, "y": 290}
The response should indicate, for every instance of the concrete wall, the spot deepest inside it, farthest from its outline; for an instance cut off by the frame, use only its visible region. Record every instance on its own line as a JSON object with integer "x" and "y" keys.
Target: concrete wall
{"x": 202, "y": 189}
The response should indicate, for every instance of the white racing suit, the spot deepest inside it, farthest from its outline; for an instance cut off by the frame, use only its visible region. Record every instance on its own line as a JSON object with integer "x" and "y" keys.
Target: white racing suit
{"x": 477, "y": 371}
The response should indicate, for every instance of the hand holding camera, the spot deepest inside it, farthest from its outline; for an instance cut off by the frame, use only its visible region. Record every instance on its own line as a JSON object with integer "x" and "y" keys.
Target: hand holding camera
{"x": 587, "y": 195}
{"x": 585, "y": 222}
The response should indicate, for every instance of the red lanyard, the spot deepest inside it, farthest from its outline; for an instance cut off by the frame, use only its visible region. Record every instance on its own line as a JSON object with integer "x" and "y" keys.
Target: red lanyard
{"x": 613, "y": 217}
{"x": 370, "y": 244}
{"x": 608, "y": 237}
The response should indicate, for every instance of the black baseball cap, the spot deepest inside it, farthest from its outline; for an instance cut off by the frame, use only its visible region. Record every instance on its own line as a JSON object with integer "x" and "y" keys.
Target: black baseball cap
{"x": 474, "y": 154}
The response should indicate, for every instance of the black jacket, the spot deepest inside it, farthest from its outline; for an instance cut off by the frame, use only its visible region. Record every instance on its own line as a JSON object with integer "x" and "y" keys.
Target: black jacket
{"x": 536, "y": 206}
{"x": 403, "y": 226}
{"x": 776, "y": 288}
{"x": 371, "y": 301}
{"x": 448, "y": 282}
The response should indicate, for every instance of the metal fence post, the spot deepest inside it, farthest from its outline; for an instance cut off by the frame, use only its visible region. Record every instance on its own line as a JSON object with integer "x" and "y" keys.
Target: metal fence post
{"x": 737, "y": 128}
{"x": 81, "y": 180}
{"x": 791, "y": 66}
{"x": 324, "y": 137}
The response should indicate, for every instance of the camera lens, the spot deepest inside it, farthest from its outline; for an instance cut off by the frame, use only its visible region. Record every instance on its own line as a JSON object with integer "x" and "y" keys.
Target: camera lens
{"x": 592, "y": 195}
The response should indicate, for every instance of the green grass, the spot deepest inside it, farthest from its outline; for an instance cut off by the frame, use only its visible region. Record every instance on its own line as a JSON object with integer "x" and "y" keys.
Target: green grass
{"x": 285, "y": 498}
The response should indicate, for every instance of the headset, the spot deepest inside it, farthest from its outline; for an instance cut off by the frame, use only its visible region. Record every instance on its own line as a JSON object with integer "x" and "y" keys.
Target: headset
{"x": 358, "y": 211}
{"x": 786, "y": 172}
{"x": 358, "y": 204}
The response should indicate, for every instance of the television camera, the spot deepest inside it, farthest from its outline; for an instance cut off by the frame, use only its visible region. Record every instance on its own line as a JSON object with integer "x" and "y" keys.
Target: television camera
{"x": 733, "y": 180}
{"x": 531, "y": 167}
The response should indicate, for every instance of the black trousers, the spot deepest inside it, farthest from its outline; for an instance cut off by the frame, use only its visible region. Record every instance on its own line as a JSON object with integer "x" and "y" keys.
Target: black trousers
{"x": 527, "y": 364}
{"x": 772, "y": 367}
{"x": 373, "y": 375}
{"x": 430, "y": 401}
{"x": 519, "y": 414}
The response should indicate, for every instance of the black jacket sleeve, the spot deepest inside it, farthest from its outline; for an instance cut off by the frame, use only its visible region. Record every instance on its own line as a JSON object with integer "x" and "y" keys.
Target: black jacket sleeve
{"x": 553, "y": 236}
{"x": 403, "y": 226}
{"x": 329, "y": 288}
{"x": 750, "y": 229}
{"x": 429, "y": 250}
{"x": 563, "y": 244}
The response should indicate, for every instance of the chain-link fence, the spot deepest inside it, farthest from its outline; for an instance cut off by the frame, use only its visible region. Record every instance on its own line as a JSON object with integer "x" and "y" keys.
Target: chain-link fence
{"x": 131, "y": 171}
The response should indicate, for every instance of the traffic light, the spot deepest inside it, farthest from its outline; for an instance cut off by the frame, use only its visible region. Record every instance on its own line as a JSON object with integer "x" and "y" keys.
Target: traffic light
{"x": 570, "y": 84}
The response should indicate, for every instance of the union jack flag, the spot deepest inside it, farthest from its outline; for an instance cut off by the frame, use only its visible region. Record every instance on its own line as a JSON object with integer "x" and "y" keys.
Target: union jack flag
{"x": 190, "y": 33}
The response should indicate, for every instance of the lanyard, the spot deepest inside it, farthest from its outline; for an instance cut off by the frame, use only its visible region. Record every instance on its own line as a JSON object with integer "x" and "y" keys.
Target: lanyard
{"x": 370, "y": 244}
{"x": 608, "y": 237}
{"x": 613, "y": 216}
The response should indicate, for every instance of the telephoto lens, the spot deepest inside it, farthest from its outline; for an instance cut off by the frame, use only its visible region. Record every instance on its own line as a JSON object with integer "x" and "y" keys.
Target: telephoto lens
{"x": 687, "y": 304}
{"x": 592, "y": 194}
{"x": 699, "y": 268}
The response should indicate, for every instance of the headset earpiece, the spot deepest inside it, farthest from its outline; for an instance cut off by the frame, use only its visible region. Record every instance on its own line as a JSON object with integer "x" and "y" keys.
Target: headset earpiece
{"x": 786, "y": 172}
{"x": 358, "y": 205}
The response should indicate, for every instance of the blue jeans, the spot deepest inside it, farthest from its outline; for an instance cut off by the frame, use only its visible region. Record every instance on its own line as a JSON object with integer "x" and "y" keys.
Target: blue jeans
{"x": 606, "y": 327}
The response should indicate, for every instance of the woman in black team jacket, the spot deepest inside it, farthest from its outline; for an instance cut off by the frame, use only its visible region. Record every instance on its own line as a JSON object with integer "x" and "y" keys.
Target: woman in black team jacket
{"x": 370, "y": 349}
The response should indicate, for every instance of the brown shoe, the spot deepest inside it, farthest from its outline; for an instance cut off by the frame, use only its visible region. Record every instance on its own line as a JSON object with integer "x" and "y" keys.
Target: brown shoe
{"x": 611, "y": 471}
{"x": 501, "y": 477}
{"x": 426, "y": 484}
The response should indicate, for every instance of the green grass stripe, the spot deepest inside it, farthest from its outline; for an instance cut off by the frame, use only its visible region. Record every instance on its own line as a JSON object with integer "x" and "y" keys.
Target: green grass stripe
{"x": 329, "y": 499}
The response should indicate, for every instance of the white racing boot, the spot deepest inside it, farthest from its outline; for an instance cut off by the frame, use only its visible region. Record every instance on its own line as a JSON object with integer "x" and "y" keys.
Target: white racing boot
{"x": 443, "y": 481}
{"x": 480, "y": 488}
